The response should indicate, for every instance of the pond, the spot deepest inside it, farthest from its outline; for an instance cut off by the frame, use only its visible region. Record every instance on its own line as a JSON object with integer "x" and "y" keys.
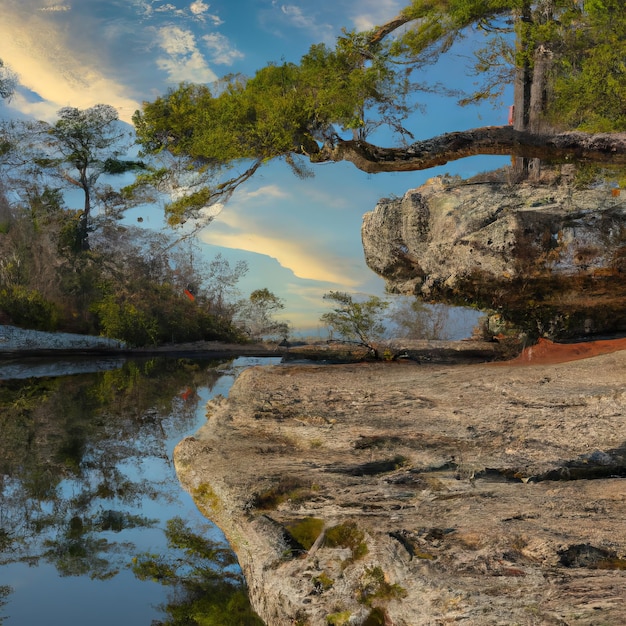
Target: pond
{"x": 94, "y": 526}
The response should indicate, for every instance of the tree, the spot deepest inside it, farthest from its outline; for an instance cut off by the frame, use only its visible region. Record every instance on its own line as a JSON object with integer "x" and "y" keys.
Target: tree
{"x": 326, "y": 107}
{"x": 356, "y": 321}
{"x": 222, "y": 279}
{"x": 256, "y": 316}
{"x": 209, "y": 590}
{"x": 77, "y": 150}
{"x": 413, "y": 319}
{"x": 8, "y": 81}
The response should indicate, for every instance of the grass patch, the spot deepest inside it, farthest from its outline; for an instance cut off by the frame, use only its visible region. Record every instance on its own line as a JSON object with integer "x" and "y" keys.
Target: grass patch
{"x": 287, "y": 488}
{"x": 306, "y": 531}
{"x": 338, "y": 619}
{"x": 323, "y": 582}
{"x": 374, "y": 587}
{"x": 347, "y": 535}
{"x": 206, "y": 499}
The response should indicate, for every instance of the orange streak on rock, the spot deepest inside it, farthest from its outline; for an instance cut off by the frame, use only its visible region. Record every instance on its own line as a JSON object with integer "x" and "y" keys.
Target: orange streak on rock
{"x": 546, "y": 352}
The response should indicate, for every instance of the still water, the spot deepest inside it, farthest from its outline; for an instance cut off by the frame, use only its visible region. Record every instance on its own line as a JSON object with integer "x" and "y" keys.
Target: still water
{"x": 94, "y": 526}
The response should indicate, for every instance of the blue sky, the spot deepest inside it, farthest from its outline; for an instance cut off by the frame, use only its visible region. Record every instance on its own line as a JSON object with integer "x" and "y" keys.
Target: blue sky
{"x": 301, "y": 238}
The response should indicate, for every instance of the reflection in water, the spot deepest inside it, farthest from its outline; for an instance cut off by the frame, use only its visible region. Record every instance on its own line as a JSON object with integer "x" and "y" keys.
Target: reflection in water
{"x": 88, "y": 487}
{"x": 207, "y": 580}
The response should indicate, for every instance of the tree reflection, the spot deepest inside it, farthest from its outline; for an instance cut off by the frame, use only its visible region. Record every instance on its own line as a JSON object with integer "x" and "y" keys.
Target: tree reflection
{"x": 74, "y": 459}
{"x": 208, "y": 590}
{"x": 5, "y": 591}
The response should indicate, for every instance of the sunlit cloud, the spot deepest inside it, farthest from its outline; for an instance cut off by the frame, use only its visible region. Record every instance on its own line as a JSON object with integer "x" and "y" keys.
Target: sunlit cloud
{"x": 242, "y": 226}
{"x": 305, "y": 259}
{"x": 267, "y": 192}
{"x": 53, "y": 75}
{"x": 198, "y": 7}
{"x": 184, "y": 62}
{"x": 220, "y": 49}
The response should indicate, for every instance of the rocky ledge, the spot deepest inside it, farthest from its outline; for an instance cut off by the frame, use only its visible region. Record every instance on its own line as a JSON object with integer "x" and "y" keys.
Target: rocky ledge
{"x": 548, "y": 258}
{"x": 422, "y": 494}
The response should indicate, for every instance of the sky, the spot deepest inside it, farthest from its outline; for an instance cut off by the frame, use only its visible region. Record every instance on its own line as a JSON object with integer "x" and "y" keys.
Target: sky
{"x": 300, "y": 238}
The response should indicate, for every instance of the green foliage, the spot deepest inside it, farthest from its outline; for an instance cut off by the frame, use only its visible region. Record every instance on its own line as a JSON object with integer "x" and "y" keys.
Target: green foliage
{"x": 356, "y": 321}
{"x": 323, "y": 582}
{"x": 590, "y": 72}
{"x": 28, "y": 308}
{"x": 125, "y": 321}
{"x": 366, "y": 80}
{"x": 347, "y": 535}
{"x": 375, "y": 588}
{"x": 178, "y": 210}
{"x": 117, "y": 166}
{"x": 80, "y": 146}
{"x": 256, "y": 316}
{"x": 152, "y": 314}
{"x": 306, "y": 531}
{"x": 210, "y": 591}
{"x": 341, "y": 618}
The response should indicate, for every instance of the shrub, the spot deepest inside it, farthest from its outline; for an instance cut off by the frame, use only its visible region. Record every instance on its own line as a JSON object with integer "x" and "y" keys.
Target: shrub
{"x": 28, "y": 308}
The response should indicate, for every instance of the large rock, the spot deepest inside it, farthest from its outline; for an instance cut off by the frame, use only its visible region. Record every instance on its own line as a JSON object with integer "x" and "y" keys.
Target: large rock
{"x": 548, "y": 258}
{"x": 478, "y": 494}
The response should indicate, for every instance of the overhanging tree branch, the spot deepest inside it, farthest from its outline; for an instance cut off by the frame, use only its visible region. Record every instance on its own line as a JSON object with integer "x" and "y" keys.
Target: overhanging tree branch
{"x": 602, "y": 148}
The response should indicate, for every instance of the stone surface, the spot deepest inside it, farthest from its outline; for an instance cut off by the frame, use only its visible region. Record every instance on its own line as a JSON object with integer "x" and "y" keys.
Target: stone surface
{"x": 549, "y": 258}
{"x": 486, "y": 493}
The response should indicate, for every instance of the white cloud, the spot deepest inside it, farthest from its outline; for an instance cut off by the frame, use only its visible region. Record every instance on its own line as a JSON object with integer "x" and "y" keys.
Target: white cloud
{"x": 222, "y": 53}
{"x": 201, "y": 10}
{"x": 50, "y": 68}
{"x": 56, "y": 8}
{"x": 370, "y": 13}
{"x": 294, "y": 16}
{"x": 184, "y": 61}
{"x": 198, "y": 7}
{"x": 164, "y": 8}
{"x": 266, "y": 192}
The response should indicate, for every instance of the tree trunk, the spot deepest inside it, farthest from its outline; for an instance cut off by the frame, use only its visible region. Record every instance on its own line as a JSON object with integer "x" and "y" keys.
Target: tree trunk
{"x": 607, "y": 148}
{"x": 83, "y": 225}
{"x": 522, "y": 89}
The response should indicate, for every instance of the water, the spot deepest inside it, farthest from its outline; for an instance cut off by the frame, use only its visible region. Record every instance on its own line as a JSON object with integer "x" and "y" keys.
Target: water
{"x": 88, "y": 488}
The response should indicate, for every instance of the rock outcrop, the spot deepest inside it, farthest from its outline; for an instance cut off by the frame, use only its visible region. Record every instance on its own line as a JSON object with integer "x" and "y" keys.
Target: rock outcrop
{"x": 409, "y": 495}
{"x": 548, "y": 258}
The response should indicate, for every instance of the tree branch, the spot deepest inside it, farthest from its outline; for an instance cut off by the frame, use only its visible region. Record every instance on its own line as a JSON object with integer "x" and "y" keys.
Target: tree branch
{"x": 389, "y": 27}
{"x": 607, "y": 148}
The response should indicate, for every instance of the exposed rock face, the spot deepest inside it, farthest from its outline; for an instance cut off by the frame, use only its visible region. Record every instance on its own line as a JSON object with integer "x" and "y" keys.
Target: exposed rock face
{"x": 483, "y": 494}
{"x": 550, "y": 259}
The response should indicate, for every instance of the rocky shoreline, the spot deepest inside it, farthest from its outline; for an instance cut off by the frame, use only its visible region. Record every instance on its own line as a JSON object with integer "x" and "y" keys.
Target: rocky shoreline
{"x": 422, "y": 494}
